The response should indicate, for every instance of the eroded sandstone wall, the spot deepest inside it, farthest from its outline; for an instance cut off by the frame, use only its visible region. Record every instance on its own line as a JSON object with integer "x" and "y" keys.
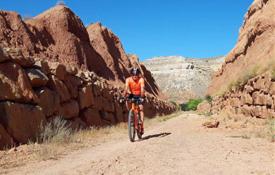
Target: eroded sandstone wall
{"x": 34, "y": 91}
{"x": 254, "y": 50}
{"x": 255, "y": 98}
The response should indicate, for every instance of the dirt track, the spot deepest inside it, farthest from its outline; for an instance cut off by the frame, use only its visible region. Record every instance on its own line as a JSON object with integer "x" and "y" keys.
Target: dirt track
{"x": 177, "y": 146}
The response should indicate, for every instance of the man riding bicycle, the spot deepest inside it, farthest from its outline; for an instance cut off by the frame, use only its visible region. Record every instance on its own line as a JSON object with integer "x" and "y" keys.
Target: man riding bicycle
{"x": 135, "y": 89}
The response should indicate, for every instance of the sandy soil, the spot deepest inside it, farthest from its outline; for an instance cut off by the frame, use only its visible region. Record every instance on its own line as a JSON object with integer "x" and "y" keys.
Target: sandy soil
{"x": 177, "y": 146}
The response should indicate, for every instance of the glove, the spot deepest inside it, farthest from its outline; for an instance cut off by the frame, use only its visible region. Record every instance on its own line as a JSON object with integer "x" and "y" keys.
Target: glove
{"x": 141, "y": 99}
{"x": 121, "y": 100}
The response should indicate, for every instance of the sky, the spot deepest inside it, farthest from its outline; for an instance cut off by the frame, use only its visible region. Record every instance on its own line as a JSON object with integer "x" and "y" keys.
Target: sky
{"x": 149, "y": 28}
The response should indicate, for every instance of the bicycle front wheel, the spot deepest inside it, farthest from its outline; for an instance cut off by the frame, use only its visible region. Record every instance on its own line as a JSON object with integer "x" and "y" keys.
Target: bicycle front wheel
{"x": 139, "y": 128}
{"x": 131, "y": 126}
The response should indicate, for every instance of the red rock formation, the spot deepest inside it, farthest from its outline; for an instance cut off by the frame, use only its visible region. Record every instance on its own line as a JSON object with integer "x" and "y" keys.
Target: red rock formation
{"x": 35, "y": 94}
{"x": 110, "y": 48}
{"x": 59, "y": 35}
{"x": 108, "y": 45}
{"x": 49, "y": 67}
{"x": 56, "y": 35}
{"x": 255, "y": 98}
{"x": 255, "y": 49}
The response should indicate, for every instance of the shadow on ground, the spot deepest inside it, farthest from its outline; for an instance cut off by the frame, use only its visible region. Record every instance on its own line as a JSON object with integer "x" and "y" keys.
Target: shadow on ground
{"x": 164, "y": 134}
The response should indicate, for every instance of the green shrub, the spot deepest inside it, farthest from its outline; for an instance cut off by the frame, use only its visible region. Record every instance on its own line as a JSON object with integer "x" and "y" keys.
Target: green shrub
{"x": 191, "y": 105}
{"x": 208, "y": 98}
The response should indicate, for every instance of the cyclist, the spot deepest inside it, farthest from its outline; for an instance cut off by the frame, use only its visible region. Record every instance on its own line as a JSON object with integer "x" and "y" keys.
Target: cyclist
{"x": 135, "y": 89}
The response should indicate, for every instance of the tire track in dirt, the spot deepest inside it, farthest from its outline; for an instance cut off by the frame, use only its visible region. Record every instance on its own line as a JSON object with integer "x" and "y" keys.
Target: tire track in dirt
{"x": 176, "y": 146}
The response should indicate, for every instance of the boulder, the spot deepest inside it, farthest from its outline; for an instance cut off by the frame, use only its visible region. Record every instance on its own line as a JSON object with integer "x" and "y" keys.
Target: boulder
{"x": 77, "y": 124}
{"x": 49, "y": 101}
{"x": 263, "y": 83}
{"x": 246, "y": 110}
{"x": 119, "y": 114}
{"x": 259, "y": 111}
{"x": 3, "y": 56}
{"x": 91, "y": 117}
{"x": 73, "y": 83}
{"x": 21, "y": 121}
{"x": 17, "y": 57}
{"x": 108, "y": 118}
{"x": 262, "y": 99}
{"x": 37, "y": 77}
{"x": 69, "y": 109}
{"x": 43, "y": 65}
{"x": 211, "y": 124}
{"x": 14, "y": 84}
{"x": 246, "y": 99}
{"x": 272, "y": 88}
{"x": 58, "y": 86}
{"x": 235, "y": 102}
{"x": 248, "y": 89}
{"x": 57, "y": 69}
{"x": 5, "y": 139}
{"x": 204, "y": 107}
{"x": 86, "y": 98}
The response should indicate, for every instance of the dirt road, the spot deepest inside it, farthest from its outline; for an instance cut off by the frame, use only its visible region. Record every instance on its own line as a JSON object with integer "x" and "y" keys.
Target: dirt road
{"x": 176, "y": 146}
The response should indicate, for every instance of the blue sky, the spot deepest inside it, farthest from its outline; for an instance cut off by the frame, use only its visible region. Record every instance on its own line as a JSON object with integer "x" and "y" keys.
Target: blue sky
{"x": 192, "y": 28}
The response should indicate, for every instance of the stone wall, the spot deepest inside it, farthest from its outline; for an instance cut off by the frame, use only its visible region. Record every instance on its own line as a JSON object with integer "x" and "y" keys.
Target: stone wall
{"x": 34, "y": 91}
{"x": 255, "y": 98}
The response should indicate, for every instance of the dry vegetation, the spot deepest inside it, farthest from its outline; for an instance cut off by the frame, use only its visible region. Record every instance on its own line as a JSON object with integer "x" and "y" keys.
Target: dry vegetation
{"x": 58, "y": 139}
{"x": 248, "y": 127}
{"x": 247, "y": 74}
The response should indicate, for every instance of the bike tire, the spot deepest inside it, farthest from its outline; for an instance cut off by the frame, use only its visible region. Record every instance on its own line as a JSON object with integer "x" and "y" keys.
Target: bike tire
{"x": 139, "y": 128}
{"x": 131, "y": 126}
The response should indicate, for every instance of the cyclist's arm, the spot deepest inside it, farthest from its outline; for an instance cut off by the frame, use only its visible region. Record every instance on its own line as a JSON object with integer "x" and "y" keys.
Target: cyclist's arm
{"x": 127, "y": 88}
{"x": 142, "y": 84}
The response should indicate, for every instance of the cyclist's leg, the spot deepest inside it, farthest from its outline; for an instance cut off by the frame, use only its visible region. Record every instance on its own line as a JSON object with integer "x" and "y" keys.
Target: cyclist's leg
{"x": 128, "y": 105}
{"x": 141, "y": 116}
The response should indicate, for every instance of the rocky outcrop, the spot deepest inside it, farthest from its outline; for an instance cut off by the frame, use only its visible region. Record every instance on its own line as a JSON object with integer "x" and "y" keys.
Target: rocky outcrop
{"x": 51, "y": 65}
{"x": 117, "y": 63}
{"x": 58, "y": 35}
{"x": 34, "y": 95}
{"x": 183, "y": 78}
{"x": 254, "y": 52}
{"x": 244, "y": 85}
{"x": 109, "y": 47}
{"x": 254, "y": 98}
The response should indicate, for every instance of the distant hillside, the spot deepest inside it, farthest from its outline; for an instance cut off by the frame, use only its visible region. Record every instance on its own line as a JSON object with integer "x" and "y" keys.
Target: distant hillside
{"x": 182, "y": 78}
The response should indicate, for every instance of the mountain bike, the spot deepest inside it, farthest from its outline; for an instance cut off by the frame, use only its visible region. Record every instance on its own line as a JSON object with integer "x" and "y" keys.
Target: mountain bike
{"x": 134, "y": 119}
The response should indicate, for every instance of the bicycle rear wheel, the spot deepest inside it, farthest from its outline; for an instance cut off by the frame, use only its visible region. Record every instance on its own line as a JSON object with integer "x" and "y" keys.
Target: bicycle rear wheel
{"x": 131, "y": 126}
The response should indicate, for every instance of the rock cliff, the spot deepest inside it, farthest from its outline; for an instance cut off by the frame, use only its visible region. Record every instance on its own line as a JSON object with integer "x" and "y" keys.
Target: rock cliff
{"x": 245, "y": 83}
{"x": 183, "y": 78}
{"x": 52, "y": 66}
{"x": 254, "y": 52}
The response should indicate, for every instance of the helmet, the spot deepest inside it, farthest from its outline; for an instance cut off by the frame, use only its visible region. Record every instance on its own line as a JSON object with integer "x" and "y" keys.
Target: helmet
{"x": 135, "y": 71}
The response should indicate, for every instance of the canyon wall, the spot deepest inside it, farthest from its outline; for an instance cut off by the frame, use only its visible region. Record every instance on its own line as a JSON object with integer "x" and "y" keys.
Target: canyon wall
{"x": 183, "y": 78}
{"x": 52, "y": 66}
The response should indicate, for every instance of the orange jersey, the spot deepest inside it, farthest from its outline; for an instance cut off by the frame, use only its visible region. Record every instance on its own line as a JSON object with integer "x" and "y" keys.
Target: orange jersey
{"x": 135, "y": 86}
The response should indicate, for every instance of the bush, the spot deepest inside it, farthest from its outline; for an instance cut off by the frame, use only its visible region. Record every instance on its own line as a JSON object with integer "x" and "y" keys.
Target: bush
{"x": 55, "y": 131}
{"x": 208, "y": 98}
{"x": 191, "y": 105}
{"x": 178, "y": 107}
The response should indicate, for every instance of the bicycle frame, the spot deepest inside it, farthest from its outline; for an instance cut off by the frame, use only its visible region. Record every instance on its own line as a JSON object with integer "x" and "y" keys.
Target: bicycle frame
{"x": 136, "y": 111}
{"x": 134, "y": 120}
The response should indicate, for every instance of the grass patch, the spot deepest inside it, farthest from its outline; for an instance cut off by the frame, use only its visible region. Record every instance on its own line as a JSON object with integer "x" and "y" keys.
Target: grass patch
{"x": 271, "y": 129}
{"x": 191, "y": 105}
{"x": 57, "y": 139}
{"x": 56, "y": 131}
